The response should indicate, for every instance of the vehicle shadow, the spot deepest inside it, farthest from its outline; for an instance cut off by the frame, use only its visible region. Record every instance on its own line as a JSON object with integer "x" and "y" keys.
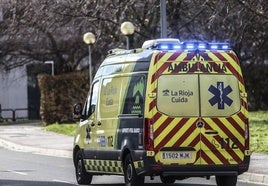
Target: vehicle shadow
{"x": 155, "y": 184}
{"x": 33, "y": 183}
{"x": 46, "y": 183}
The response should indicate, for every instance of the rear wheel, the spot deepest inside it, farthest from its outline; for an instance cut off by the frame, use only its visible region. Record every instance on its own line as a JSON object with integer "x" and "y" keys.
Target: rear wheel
{"x": 82, "y": 176}
{"x": 167, "y": 179}
{"x": 226, "y": 180}
{"x": 130, "y": 175}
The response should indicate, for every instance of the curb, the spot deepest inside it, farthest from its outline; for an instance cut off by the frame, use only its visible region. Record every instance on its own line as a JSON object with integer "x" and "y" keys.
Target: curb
{"x": 35, "y": 150}
{"x": 254, "y": 178}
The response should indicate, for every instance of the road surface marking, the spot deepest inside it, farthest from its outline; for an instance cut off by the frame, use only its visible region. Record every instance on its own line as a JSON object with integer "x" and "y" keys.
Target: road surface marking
{"x": 17, "y": 172}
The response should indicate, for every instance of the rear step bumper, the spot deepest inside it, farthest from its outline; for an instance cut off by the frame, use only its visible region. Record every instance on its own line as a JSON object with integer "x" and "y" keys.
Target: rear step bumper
{"x": 200, "y": 174}
{"x": 154, "y": 168}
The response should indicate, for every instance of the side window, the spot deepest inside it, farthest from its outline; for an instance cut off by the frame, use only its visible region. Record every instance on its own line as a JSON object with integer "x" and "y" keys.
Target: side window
{"x": 134, "y": 97}
{"x": 122, "y": 95}
{"x": 109, "y": 97}
{"x": 91, "y": 101}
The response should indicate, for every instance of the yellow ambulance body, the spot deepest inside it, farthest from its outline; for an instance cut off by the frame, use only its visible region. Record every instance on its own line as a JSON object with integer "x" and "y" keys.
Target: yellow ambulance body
{"x": 170, "y": 109}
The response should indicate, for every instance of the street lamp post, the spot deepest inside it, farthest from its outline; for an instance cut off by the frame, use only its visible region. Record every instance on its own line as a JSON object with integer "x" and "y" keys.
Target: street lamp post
{"x": 127, "y": 28}
{"x": 52, "y": 66}
{"x": 89, "y": 38}
{"x": 163, "y": 19}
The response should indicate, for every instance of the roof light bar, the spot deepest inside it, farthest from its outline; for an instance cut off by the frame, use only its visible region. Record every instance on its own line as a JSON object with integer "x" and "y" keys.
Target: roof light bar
{"x": 193, "y": 46}
{"x": 174, "y": 44}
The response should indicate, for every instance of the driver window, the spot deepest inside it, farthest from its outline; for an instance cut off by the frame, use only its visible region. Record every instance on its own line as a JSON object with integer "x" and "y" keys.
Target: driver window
{"x": 91, "y": 102}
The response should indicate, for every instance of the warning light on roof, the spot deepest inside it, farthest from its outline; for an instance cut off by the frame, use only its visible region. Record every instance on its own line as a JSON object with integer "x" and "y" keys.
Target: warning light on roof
{"x": 193, "y": 46}
{"x": 174, "y": 44}
{"x": 219, "y": 46}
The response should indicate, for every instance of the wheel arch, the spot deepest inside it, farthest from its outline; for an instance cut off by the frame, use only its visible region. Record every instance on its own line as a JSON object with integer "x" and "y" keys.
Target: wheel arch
{"x": 75, "y": 150}
{"x": 126, "y": 148}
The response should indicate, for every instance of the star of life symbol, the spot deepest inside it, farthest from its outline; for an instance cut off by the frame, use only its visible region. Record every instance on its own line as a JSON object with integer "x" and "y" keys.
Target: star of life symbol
{"x": 220, "y": 95}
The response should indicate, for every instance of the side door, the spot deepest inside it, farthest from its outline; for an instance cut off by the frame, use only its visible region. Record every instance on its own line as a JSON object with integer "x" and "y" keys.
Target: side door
{"x": 88, "y": 126}
{"x": 110, "y": 105}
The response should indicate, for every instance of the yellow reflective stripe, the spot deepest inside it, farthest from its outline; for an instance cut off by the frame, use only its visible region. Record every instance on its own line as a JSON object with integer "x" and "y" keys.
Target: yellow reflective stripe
{"x": 103, "y": 166}
{"x": 211, "y": 155}
{"x": 233, "y": 130}
{"x": 159, "y": 122}
{"x": 232, "y": 62}
{"x": 189, "y": 139}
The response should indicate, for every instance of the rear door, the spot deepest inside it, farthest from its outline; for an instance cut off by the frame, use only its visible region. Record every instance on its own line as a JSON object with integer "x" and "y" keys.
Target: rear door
{"x": 173, "y": 108}
{"x": 224, "y": 122}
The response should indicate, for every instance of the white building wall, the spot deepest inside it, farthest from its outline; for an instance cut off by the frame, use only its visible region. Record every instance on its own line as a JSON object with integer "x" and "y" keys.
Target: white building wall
{"x": 13, "y": 92}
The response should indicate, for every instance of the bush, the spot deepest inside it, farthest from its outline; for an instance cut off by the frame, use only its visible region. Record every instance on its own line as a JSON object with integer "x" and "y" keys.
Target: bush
{"x": 59, "y": 94}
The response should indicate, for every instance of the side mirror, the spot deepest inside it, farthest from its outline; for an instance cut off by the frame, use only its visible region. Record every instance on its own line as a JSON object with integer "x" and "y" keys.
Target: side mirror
{"x": 77, "y": 112}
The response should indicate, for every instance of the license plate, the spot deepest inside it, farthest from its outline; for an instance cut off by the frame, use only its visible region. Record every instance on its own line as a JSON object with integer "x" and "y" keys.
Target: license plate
{"x": 176, "y": 155}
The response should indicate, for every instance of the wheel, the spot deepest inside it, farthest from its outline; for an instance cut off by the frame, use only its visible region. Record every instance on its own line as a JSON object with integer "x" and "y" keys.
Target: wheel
{"x": 226, "y": 180}
{"x": 82, "y": 176}
{"x": 167, "y": 179}
{"x": 130, "y": 175}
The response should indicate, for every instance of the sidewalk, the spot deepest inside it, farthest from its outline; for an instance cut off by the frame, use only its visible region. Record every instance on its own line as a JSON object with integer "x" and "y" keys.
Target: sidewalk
{"x": 32, "y": 138}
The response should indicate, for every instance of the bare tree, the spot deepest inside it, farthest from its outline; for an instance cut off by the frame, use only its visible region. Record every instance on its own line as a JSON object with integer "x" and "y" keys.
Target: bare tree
{"x": 40, "y": 30}
{"x": 52, "y": 30}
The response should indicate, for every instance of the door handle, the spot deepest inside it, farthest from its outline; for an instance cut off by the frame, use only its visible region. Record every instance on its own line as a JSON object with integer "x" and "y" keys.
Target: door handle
{"x": 92, "y": 124}
{"x": 211, "y": 132}
{"x": 99, "y": 123}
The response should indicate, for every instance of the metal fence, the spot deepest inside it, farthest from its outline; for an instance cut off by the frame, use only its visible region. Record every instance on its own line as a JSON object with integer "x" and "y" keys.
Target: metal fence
{"x": 13, "y": 114}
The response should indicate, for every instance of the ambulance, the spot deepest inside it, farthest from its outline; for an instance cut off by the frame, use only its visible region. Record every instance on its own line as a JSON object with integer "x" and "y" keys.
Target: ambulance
{"x": 170, "y": 109}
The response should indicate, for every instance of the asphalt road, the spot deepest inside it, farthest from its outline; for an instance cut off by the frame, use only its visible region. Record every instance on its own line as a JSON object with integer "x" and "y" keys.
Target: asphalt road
{"x": 27, "y": 169}
{"x": 22, "y": 169}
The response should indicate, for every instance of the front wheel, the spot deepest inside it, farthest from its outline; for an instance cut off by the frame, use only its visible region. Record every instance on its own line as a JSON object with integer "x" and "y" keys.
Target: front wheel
{"x": 226, "y": 180}
{"x": 130, "y": 175}
{"x": 82, "y": 177}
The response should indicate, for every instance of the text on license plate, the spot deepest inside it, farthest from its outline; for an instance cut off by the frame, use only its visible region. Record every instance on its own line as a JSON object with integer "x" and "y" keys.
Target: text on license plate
{"x": 176, "y": 155}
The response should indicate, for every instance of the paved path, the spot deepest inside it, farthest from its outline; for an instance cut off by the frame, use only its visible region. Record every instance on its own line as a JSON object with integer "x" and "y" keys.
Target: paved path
{"x": 33, "y": 138}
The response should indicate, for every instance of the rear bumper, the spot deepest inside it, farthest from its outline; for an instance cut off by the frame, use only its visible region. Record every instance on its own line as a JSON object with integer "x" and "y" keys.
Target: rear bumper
{"x": 153, "y": 168}
{"x": 197, "y": 171}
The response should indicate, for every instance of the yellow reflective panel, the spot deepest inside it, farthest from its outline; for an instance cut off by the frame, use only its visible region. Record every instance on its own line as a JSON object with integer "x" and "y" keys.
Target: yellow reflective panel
{"x": 109, "y": 97}
{"x": 219, "y": 95}
{"x": 177, "y": 95}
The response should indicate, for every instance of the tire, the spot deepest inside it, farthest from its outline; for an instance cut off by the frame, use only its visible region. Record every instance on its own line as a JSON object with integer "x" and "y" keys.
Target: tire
{"x": 130, "y": 175}
{"x": 226, "y": 180}
{"x": 82, "y": 177}
{"x": 167, "y": 179}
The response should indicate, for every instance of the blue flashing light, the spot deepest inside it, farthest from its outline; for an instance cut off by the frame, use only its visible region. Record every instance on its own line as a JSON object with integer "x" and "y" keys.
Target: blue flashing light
{"x": 202, "y": 46}
{"x": 189, "y": 46}
{"x": 214, "y": 46}
{"x": 219, "y": 46}
{"x": 177, "y": 47}
{"x": 225, "y": 46}
{"x": 163, "y": 47}
{"x": 166, "y": 46}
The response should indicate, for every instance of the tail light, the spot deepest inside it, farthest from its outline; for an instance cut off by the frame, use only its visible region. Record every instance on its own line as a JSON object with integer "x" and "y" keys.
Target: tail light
{"x": 148, "y": 135}
{"x": 246, "y": 134}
